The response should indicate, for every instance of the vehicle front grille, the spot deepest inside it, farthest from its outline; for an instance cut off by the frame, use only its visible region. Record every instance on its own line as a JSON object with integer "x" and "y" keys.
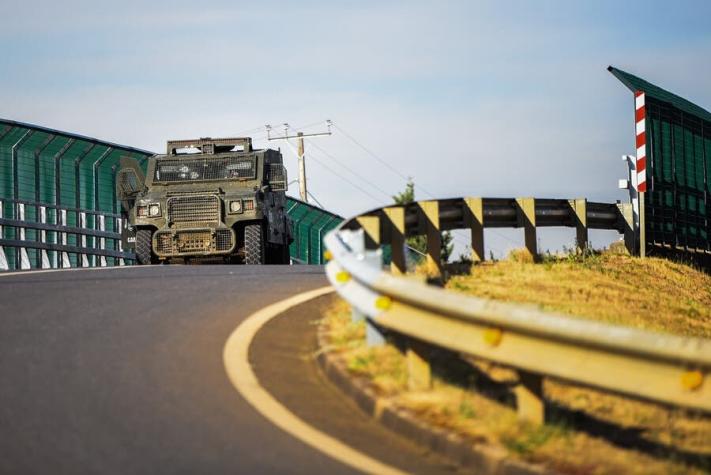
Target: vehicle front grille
{"x": 223, "y": 240}
{"x": 193, "y": 210}
{"x": 164, "y": 243}
{"x": 194, "y": 241}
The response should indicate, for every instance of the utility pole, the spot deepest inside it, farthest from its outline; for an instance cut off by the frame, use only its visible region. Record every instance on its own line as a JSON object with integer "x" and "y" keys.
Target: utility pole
{"x": 300, "y": 152}
{"x": 302, "y": 167}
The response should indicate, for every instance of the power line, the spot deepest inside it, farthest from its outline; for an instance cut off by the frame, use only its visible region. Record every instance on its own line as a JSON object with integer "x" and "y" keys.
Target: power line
{"x": 394, "y": 170}
{"x": 361, "y": 177}
{"x": 317, "y": 201}
{"x": 300, "y": 136}
{"x": 454, "y": 236}
{"x": 382, "y": 161}
{"x": 369, "y": 152}
{"x": 309, "y": 125}
{"x": 246, "y": 132}
{"x": 354, "y": 185}
{"x": 397, "y": 172}
{"x": 252, "y": 132}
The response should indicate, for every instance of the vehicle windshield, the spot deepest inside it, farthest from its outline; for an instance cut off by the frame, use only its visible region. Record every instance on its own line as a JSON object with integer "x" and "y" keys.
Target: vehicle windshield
{"x": 204, "y": 169}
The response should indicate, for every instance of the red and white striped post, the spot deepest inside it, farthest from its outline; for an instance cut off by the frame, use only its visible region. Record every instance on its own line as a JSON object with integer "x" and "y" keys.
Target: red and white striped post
{"x": 640, "y": 118}
{"x": 640, "y": 128}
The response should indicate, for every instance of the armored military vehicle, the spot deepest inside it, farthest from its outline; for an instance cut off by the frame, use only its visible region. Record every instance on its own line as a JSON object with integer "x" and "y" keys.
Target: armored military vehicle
{"x": 206, "y": 200}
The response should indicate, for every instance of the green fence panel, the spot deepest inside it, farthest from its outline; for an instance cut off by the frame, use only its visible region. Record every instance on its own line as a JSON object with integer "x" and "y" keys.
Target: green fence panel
{"x": 52, "y": 167}
{"x": 310, "y": 225}
{"x": 678, "y": 165}
{"x": 76, "y": 172}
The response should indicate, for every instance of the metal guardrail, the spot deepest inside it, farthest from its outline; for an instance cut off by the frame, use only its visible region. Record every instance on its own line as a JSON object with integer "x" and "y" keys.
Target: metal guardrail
{"x": 663, "y": 368}
{"x": 51, "y": 237}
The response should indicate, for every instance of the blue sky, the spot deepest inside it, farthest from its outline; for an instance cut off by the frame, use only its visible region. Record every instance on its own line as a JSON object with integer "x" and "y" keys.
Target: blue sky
{"x": 478, "y": 98}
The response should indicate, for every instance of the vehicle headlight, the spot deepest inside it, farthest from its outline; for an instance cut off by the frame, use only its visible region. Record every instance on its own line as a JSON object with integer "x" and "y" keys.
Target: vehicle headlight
{"x": 154, "y": 210}
{"x": 236, "y": 206}
{"x": 142, "y": 211}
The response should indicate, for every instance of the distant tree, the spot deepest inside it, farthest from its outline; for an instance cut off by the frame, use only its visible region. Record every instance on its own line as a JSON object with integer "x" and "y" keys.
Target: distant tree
{"x": 419, "y": 243}
{"x": 407, "y": 196}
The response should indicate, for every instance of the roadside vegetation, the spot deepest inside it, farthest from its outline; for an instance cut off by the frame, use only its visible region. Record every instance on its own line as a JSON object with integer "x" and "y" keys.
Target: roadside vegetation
{"x": 589, "y": 432}
{"x": 651, "y": 293}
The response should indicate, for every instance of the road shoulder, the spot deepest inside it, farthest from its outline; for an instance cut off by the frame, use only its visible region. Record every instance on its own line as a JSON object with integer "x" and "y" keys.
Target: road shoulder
{"x": 284, "y": 355}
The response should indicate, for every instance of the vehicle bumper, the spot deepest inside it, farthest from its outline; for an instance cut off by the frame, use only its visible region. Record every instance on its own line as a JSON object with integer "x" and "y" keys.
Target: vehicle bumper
{"x": 185, "y": 242}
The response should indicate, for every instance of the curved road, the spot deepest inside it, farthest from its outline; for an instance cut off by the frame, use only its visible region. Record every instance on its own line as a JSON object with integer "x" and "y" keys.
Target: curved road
{"x": 120, "y": 371}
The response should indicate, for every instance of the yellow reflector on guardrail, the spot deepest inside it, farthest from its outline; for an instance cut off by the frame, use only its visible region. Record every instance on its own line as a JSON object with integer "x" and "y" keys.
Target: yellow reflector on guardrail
{"x": 383, "y": 302}
{"x": 493, "y": 336}
{"x": 342, "y": 277}
{"x": 692, "y": 380}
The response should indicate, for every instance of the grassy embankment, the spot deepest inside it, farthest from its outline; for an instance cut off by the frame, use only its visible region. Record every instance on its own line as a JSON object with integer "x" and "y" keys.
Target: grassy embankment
{"x": 590, "y": 431}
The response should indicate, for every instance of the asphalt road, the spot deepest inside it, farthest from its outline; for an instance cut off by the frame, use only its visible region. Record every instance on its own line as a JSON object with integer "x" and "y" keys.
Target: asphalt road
{"x": 121, "y": 371}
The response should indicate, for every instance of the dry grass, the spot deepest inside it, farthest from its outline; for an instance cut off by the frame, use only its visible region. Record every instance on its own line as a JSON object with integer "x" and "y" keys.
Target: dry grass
{"x": 383, "y": 365}
{"x": 653, "y": 294}
{"x": 591, "y": 432}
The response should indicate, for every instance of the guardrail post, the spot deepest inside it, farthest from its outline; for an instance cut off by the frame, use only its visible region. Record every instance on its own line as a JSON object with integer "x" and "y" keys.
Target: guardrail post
{"x": 580, "y": 214}
{"x": 627, "y": 219}
{"x": 419, "y": 372}
{"x": 373, "y": 335}
{"x": 527, "y": 219}
{"x": 24, "y": 258}
{"x": 44, "y": 257}
{"x": 474, "y": 219}
{"x": 356, "y": 240}
{"x": 3, "y": 258}
{"x": 371, "y": 228}
{"x": 429, "y": 210}
{"x": 102, "y": 241}
{"x": 396, "y": 220}
{"x": 529, "y": 398}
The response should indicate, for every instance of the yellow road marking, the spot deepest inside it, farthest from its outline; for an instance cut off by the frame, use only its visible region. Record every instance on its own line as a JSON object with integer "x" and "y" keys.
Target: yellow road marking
{"x": 236, "y": 359}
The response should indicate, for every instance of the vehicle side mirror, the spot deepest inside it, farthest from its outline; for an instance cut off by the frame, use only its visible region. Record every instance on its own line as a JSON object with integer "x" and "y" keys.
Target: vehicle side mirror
{"x": 130, "y": 181}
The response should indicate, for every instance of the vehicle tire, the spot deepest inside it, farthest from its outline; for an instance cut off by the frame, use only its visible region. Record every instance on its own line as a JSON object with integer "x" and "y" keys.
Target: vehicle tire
{"x": 144, "y": 251}
{"x": 253, "y": 244}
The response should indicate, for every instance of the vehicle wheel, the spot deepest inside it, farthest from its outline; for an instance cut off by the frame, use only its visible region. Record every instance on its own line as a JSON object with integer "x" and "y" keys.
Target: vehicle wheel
{"x": 144, "y": 251}
{"x": 253, "y": 245}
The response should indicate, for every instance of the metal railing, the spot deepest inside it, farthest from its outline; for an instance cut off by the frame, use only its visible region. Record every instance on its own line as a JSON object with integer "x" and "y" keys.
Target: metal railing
{"x": 55, "y": 242}
{"x": 310, "y": 224}
{"x": 658, "y": 367}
